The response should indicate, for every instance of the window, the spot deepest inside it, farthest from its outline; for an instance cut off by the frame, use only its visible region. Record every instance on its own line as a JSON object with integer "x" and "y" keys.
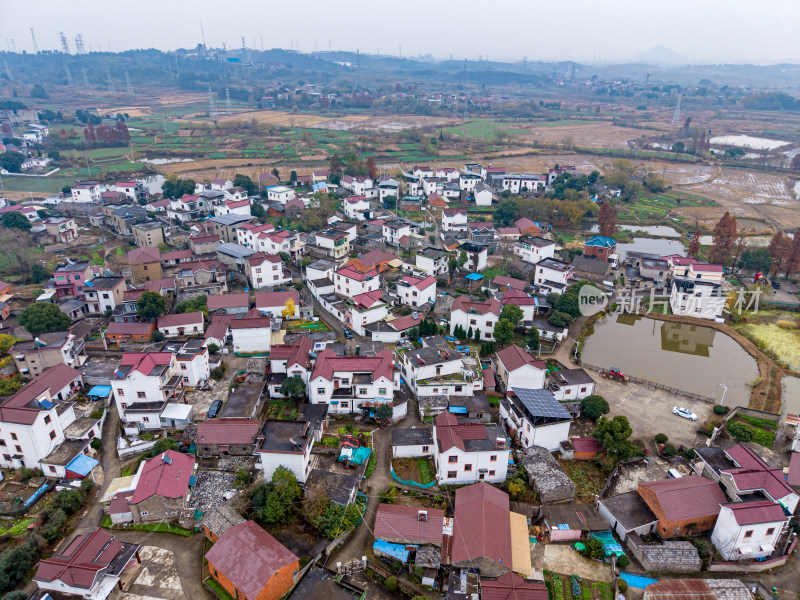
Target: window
{"x": 120, "y": 392}
{"x": 145, "y": 419}
{"x": 748, "y": 534}
{"x": 52, "y": 435}
{"x": 452, "y": 459}
{"x": 473, "y": 322}
{"x": 458, "y": 388}
{"x": 362, "y": 391}
{"x": 491, "y": 473}
{"x": 144, "y": 513}
{"x": 583, "y": 389}
{"x": 141, "y": 395}
{"x": 468, "y": 467}
{"x": 452, "y": 474}
{"x": 185, "y": 380}
{"x": 52, "y": 468}
{"x": 345, "y": 404}
{"x": 18, "y": 448}
{"x": 2, "y": 442}
{"x": 183, "y": 367}
{"x": 424, "y": 448}
{"x": 320, "y": 390}
{"x": 493, "y": 458}
{"x": 14, "y": 436}
{"x": 770, "y": 531}
{"x": 382, "y": 391}
{"x": 47, "y": 420}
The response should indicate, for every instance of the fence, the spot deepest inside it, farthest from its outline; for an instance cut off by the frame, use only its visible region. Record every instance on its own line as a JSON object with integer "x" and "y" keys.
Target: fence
{"x": 654, "y": 384}
{"x": 424, "y": 486}
{"x": 754, "y": 567}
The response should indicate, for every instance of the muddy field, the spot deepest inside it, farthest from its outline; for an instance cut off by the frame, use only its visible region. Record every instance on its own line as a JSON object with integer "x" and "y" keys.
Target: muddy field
{"x": 366, "y": 122}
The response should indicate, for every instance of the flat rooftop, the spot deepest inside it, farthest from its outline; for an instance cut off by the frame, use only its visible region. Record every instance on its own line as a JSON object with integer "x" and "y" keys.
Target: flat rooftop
{"x": 244, "y": 402}
{"x": 284, "y": 436}
{"x": 321, "y": 583}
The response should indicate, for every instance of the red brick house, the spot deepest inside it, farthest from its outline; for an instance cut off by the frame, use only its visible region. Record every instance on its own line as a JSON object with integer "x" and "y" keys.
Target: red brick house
{"x": 587, "y": 448}
{"x": 527, "y": 227}
{"x": 251, "y": 564}
{"x": 685, "y": 505}
{"x": 129, "y": 332}
{"x": 377, "y": 260}
{"x": 600, "y": 246}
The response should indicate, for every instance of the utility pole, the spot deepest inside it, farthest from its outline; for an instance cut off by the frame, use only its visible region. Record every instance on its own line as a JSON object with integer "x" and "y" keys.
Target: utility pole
{"x": 7, "y": 70}
{"x": 35, "y": 44}
{"x": 212, "y": 109}
{"x": 69, "y": 75}
{"x": 164, "y": 134}
{"x": 85, "y": 77}
{"x": 79, "y": 44}
{"x": 228, "y": 107}
{"x": 676, "y": 118}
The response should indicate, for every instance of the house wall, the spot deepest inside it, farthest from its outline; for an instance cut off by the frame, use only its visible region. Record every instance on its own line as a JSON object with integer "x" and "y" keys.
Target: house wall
{"x": 256, "y": 339}
{"x": 148, "y": 238}
{"x": 156, "y": 508}
{"x": 412, "y": 451}
{"x": 195, "y": 370}
{"x": 547, "y": 436}
{"x": 485, "y": 323}
{"x": 412, "y": 296}
{"x": 233, "y": 449}
{"x": 478, "y": 460}
{"x": 668, "y": 529}
{"x": 146, "y": 272}
{"x": 298, "y": 463}
{"x": 33, "y": 442}
{"x": 359, "y": 319}
{"x": 621, "y": 532}
{"x": 578, "y": 391}
{"x": 280, "y": 583}
{"x": 177, "y": 330}
{"x": 729, "y": 537}
{"x": 526, "y": 377}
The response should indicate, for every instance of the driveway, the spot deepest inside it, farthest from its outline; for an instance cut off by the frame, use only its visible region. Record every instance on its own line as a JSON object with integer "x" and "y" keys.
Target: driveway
{"x": 649, "y": 411}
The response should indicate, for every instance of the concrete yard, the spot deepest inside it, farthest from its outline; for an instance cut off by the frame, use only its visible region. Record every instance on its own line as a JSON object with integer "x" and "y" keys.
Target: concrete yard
{"x": 649, "y": 411}
{"x": 158, "y": 577}
{"x": 561, "y": 558}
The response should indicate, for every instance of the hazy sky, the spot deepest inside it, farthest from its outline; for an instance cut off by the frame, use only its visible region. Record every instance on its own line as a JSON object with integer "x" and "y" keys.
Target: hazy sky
{"x": 584, "y": 30}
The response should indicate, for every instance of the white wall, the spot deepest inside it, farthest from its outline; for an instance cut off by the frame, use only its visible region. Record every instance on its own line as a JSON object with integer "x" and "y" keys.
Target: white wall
{"x": 412, "y": 451}
{"x": 729, "y": 537}
{"x": 526, "y": 377}
{"x": 478, "y": 460}
{"x": 299, "y": 464}
{"x": 182, "y": 329}
{"x": 195, "y": 370}
{"x": 485, "y": 323}
{"x": 256, "y": 339}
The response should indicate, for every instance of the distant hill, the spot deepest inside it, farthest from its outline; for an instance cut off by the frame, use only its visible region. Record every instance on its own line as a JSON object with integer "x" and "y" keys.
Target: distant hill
{"x": 661, "y": 55}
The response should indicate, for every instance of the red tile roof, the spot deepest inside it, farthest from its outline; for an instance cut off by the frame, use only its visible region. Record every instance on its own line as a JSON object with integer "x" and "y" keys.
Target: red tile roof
{"x": 515, "y": 357}
{"x": 164, "y": 475}
{"x": 237, "y": 203}
{"x": 81, "y": 561}
{"x": 177, "y": 255}
{"x": 680, "y": 589}
{"x": 404, "y": 323}
{"x": 418, "y": 283}
{"x": 750, "y": 513}
{"x": 587, "y": 444}
{"x": 451, "y": 212}
{"x": 130, "y": 328}
{"x": 450, "y": 432}
{"x": 482, "y": 524}
{"x": 251, "y": 323}
{"x": 249, "y": 556}
{"x": 355, "y": 199}
{"x": 141, "y": 256}
{"x": 145, "y": 362}
{"x": 259, "y": 258}
{"x": 755, "y": 474}
{"x": 368, "y": 299}
{"x": 119, "y": 503}
{"x": 217, "y": 331}
{"x": 400, "y": 523}
{"x": 510, "y": 282}
{"x": 272, "y": 299}
{"x": 181, "y": 319}
{"x": 227, "y": 431}
{"x": 23, "y": 408}
{"x": 686, "y": 498}
{"x": 351, "y": 273}
{"x": 508, "y": 230}
{"x": 512, "y": 587}
{"x": 328, "y": 363}
{"x": 466, "y": 305}
{"x": 794, "y": 470}
{"x": 217, "y": 301}
{"x": 370, "y": 259}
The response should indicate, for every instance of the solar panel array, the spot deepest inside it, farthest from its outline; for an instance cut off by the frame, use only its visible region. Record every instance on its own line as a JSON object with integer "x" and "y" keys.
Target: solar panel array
{"x": 541, "y": 406}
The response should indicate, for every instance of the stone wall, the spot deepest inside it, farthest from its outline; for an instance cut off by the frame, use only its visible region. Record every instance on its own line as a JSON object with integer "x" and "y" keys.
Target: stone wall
{"x": 666, "y": 557}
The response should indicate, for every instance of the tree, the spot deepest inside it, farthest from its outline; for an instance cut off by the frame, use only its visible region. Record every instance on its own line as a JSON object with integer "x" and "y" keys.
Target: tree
{"x": 277, "y": 174}
{"x": 470, "y": 333}
{"x": 246, "y": 182}
{"x": 506, "y": 213}
{"x": 257, "y": 210}
{"x": 12, "y": 161}
{"x": 607, "y": 220}
{"x": 568, "y": 303}
{"x": 372, "y": 168}
{"x": 512, "y": 313}
{"x": 391, "y": 583}
{"x": 384, "y": 412}
{"x": 503, "y": 332}
{"x": 614, "y": 434}
{"x": 288, "y": 309}
{"x": 157, "y": 336}
{"x": 213, "y": 348}
{"x": 462, "y": 259}
{"x": 780, "y": 248}
{"x": 293, "y": 177}
{"x": 724, "y": 237}
{"x": 151, "y": 305}
{"x": 162, "y": 445}
{"x": 694, "y": 245}
{"x": 756, "y": 259}
{"x": 6, "y": 341}
{"x": 14, "y": 219}
{"x": 176, "y": 188}
{"x": 294, "y": 387}
{"x": 678, "y": 147}
{"x": 594, "y": 406}
{"x": 559, "y": 319}
{"x": 37, "y": 91}
{"x": 533, "y": 338}
{"x": 41, "y": 317}
{"x": 795, "y": 166}
{"x": 793, "y": 262}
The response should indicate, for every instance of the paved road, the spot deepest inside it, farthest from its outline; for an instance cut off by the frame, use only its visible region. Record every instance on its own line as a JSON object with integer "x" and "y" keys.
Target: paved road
{"x": 353, "y": 548}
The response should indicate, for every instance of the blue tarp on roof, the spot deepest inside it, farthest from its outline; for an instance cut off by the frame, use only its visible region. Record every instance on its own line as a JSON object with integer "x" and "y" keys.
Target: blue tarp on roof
{"x": 457, "y": 409}
{"x": 82, "y": 465}
{"x": 474, "y": 277}
{"x": 101, "y": 391}
{"x": 397, "y": 551}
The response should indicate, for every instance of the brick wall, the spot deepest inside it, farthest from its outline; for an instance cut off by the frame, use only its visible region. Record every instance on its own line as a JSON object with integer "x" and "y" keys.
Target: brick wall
{"x": 157, "y": 508}
{"x": 277, "y": 586}
{"x": 667, "y": 528}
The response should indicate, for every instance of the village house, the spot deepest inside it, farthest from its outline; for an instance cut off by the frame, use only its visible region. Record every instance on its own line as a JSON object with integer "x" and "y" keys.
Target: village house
{"x": 553, "y": 275}
{"x": 252, "y": 333}
{"x": 123, "y": 333}
{"x": 527, "y": 227}
{"x": 145, "y": 264}
{"x": 70, "y": 277}
{"x": 247, "y": 233}
{"x": 477, "y": 255}
{"x": 518, "y": 369}
{"x": 570, "y": 384}
{"x": 144, "y": 384}
{"x": 436, "y": 369}
{"x": 289, "y": 360}
{"x": 266, "y": 270}
{"x": 533, "y": 417}
{"x": 226, "y": 226}
{"x": 391, "y": 331}
{"x": 229, "y": 304}
{"x": 474, "y": 315}
{"x": 227, "y": 437}
{"x": 358, "y": 208}
{"x": 684, "y": 505}
{"x": 376, "y": 260}
{"x": 454, "y": 219}
{"x": 416, "y": 291}
{"x": 412, "y": 443}
{"x": 280, "y": 193}
{"x": 363, "y": 310}
{"x": 529, "y": 305}
{"x": 350, "y": 282}
{"x": 162, "y": 487}
{"x": 173, "y": 325}
{"x": 682, "y": 267}
{"x": 697, "y": 298}
{"x": 466, "y": 452}
{"x": 431, "y": 261}
{"x": 357, "y": 184}
{"x": 395, "y": 232}
{"x": 148, "y": 234}
{"x": 749, "y": 530}
{"x": 286, "y": 444}
{"x": 483, "y": 194}
{"x": 277, "y": 303}
{"x": 33, "y": 357}
{"x": 601, "y": 247}
{"x": 200, "y": 273}
{"x": 233, "y": 207}
{"x": 251, "y": 564}
{"x": 61, "y": 229}
{"x": 192, "y": 360}
{"x": 204, "y": 243}
{"x": 332, "y": 243}
{"x": 104, "y": 293}
{"x": 591, "y": 268}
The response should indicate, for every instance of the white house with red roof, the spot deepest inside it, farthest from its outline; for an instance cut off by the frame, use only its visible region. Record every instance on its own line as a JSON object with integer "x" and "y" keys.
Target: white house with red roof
{"x": 518, "y": 369}
{"x": 161, "y": 488}
{"x": 144, "y": 384}
{"x": 687, "y": 267}
{"x": 748, "y": 530}
{"x": 750, "y": 474}
{"x": 365, "y": 309}
{"x": 437, "y": 369}
{"x": 357, "y": 184}
{"x": 468, "y": 452}
{"x": 350, "y": 282}
{"x": 395, "y": 230}
{"x": 393, "y": 330}
{"x": 416, "y": 291}
{"x": 181, "y": 324}
{"x": 480, "y": 315}
{"x": 221, "y": 184}
{"x": 275, "y": 242}
{"x": 31, "y": 424}
{"x": 454, "y": 219}
{"x": 290, "y": 360}
{"x": 247, "y": 233}
{"x": 266, "y": 270}
{"x": 275, "y": 303}
{"x": 252, "y": 334}
{"x": 349, "y": 384}
{"x": 233, "y": 207}
{"x": 89, "y": 567}
{"x": 355, "y": 207}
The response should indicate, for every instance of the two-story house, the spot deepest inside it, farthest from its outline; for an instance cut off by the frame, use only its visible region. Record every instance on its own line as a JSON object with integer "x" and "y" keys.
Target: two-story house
{"x": 394, "y": 231}
{"x": 144, "y": 384}
{"x": 251, "y": 333}
{"x": 276, "y": 303}
{"x": 104, "y": 293}
{"x": 553, "y": 275}
{"x": 33, "y": 357}
{"x": 454, "y": 219}
{"x": 87, "y": 191}
{"x": 350, "y": 282}
{"x": 432, "y": 261}
{"x": 70, "y": 278}
{"x": 600, "y": 246}
{"x": 518, "y": 369}
{"x": 280, "y": 193}
{"x": 376, "y": 260}
{"x": 533, "y": 417}
{"x": 468, "y": 452}
{"x": 477, "y": 255}
{"x": 534, "y": 249}
{"x": 416, "y": 291}
{"x": 332, "y": 243}
{"x": 266, "y": 270}
{"x": 357, "y": 184}
{"x": 357, "y": 207}
{"x": 436, "y": 369}
{"x": 749, "y": 530}
{"x": 61, "y": 229}
{"x": 470, "y": 314}
{"x": 162, "y": 487}
{"x": 353, "y": 383}
{"x": 286, "y": 444}
{"x": 364, "y": 309}
{"x": 233, "y": 207}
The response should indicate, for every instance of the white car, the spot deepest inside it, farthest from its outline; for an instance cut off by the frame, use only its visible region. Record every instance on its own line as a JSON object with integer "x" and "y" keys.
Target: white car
{"x": 684, "y": 412}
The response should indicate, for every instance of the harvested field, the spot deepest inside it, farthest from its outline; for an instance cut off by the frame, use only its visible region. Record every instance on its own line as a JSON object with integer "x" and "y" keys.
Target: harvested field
{"x": 780, "y": 332}
{"x": 345, "y": 123}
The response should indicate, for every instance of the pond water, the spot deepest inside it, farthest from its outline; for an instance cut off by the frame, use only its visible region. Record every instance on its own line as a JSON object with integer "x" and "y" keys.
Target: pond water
{"x": 692, "y": 358}
{"x": 660, "y": 230}
{"x": 791, "y": 395}
{"x": 165, "y": 161}
{"x": 756, "y": 241}
{"x": 797, "y": 189}
{"x": 748, "y": 141}
{"x": 153, "y": 183}
{"x": 652, "y": 246}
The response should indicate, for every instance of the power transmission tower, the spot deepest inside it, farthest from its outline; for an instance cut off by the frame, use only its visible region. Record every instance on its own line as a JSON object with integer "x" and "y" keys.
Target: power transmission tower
{"x": 79, "y": 44}
{"x": 8, "y": 71}
{"x": 228, "y": 107}
{"x": 35, "y": 44}
{"x": 69, "y": 75}
{"x": 128, "y": 83}
{"x": 64, "y": 43}
{"x": 177, "y": 68}
{"x": 676, "y": 118}
{"x": 111, "y": 87}
{"x": 212, "y": 108}
{"x": 85, "y": 77}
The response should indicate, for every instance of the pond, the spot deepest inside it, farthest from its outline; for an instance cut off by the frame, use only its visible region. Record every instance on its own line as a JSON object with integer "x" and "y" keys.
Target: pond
{"x": 165, "y": 161}
{"x": 658, "y": 246}
{"x": 756, "y": 241}
{"x": 153, "y": 183}
{"x": 791, "y": 395}
{"x": 692, "y": 358}
{"x": 659, "y": 230}
{"x": 748, "y": 141}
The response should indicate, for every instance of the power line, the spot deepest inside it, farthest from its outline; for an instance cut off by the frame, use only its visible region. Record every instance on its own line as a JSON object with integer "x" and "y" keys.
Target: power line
{"x": 676, "y": 118}
{"x": 228, "y": 108}
{"x": 69, "y": 75}
{"x": 85, "y": 77}
{"x": 8, "y": 71}
{"x": 212, "y": 109}
{"x": 111, "y": 87}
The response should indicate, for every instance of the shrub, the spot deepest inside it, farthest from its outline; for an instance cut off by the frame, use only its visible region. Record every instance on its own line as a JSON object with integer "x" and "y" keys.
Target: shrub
{"x": 213, "y": 348}
{"x": 96, "y": 443}
{"x": 670, "y": 450}
{"x": 218, "y": 372}
{"x": 87, "y": 485}
{"x": 720, "y": 410}
{"x": 661, "y": 438}
{"x": 623, "y": 561}
{"x": 623, "y": 585}
{"x": 96, "y": 414}
{"x": 157, "y": 336}
{"x": 391, "y": 583}
{"x": 594, "y": 406}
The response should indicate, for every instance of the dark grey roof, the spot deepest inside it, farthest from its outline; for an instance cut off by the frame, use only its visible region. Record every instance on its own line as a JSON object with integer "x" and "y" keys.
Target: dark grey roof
{"x": 715, "y": 458}
{"x": 231, "y": 219}
{"x": 335, "y": 486}
{"x": 220, "y": 518}
{"x": 234, "y": 250}
{"x": 571, "y": 377}
{"x": 540, "y": 406}
{"x": 477, "y": 403}
{"x": 284, "y": 436}
{"x": 63, "y": 454}
{"x": 591, "y": 264}
{"x": 419, "y": 436}
{"x": 630, "y": 510}
{"x": 244, "y": 401}
{"x": 578, "y": 516}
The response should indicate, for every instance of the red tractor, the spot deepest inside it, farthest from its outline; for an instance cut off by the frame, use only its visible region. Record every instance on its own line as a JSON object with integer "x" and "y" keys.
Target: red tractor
{"x": 615, "y": 374}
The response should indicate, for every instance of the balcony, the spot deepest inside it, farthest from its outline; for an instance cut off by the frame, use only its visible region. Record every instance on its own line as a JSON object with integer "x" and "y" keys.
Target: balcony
{"x": 340, "y": 393}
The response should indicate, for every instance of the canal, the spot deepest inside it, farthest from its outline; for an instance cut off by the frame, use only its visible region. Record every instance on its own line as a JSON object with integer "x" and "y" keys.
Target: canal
{"x": 691, "y": 358}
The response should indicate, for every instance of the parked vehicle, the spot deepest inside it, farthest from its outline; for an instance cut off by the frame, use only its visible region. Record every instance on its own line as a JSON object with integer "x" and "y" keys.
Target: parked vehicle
{"x": 616, "y": 374}
{"x": 213, "y": 411}
{"x": 348, "y": 333}
{"x": 673, "y": 473}
{"x": 684, "y": 412}
{"x": 776, "y": 285}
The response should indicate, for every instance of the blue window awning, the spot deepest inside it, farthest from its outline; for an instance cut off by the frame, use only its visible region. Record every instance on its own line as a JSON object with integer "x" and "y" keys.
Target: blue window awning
{"x": 100, "y": 391}
{"x": 82, "y": 465}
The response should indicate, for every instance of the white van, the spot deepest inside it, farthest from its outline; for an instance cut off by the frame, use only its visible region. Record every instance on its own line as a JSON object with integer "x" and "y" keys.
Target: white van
{"x": 673, "y": 473}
